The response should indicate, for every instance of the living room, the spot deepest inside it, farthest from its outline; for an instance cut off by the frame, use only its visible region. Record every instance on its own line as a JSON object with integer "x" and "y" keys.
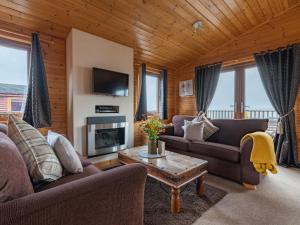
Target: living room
{"x": 149, "y": 112}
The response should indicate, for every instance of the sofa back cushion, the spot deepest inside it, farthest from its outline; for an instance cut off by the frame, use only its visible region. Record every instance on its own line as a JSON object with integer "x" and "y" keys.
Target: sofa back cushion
{"x": 231, "y": 131}
{"x": 3, "y": 128}
{"x": 178, "y": 122}
{"x": 14, "y": 178}
{"x": 40, "y": 159}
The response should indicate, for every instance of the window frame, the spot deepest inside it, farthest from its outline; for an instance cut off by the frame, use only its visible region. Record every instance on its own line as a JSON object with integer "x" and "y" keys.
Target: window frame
{"x": 19, "y": 46}
{"x": 13, "y": 100}
{"x": 152, "y": 113}
{"x": 239, "y": 90}
{"x": 239, "y": 86}
{"x": 234, "y": 85}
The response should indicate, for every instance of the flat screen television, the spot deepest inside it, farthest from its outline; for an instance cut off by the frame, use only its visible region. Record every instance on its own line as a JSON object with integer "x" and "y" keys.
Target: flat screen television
{"x": 110, "y": 82}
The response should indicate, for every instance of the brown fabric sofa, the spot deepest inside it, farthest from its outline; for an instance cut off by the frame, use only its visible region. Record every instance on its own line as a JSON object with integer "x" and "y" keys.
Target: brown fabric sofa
{"x": 225, "y": 156}
{"x": 114, "y": 197}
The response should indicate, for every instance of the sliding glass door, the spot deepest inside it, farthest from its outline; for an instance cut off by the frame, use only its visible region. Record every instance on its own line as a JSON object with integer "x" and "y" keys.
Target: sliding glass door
{"x": 222, "y": 105}
{"x": 240, "y": 94}
{"x": 257, "y": 104}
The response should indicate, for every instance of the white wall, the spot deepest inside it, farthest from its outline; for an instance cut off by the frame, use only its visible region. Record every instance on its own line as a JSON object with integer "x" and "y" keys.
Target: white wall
{"x": 85, "y": 51}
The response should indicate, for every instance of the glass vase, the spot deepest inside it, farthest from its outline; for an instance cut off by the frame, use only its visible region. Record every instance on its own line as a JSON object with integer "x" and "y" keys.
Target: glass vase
{"x": 152, "y": 147}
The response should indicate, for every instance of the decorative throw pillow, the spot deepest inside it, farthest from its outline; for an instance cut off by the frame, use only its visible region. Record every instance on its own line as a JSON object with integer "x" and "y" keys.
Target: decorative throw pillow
{"x": 193, "y": 131}
{"x": 65, "y": 152}
{"x": 40, "y": 159}
{"x": 209, "y": 128}
{"x": 14, "y": 178}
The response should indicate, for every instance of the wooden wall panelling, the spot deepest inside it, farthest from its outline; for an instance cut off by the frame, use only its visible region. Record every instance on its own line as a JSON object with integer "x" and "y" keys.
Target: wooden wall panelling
{"x": 281, "y": 31}
{"x": 54, "y": 59}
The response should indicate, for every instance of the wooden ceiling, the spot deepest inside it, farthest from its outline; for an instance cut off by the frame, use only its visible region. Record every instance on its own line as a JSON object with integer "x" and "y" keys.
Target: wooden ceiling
{"x": 160, "y": 31}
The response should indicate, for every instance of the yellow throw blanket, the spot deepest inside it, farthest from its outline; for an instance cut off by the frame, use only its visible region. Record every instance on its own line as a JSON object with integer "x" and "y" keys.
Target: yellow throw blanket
{"x": 263, "y": 154}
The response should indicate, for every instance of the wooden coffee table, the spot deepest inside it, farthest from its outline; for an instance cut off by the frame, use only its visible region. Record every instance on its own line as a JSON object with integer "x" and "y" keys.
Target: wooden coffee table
{"x": 175, "y": 170}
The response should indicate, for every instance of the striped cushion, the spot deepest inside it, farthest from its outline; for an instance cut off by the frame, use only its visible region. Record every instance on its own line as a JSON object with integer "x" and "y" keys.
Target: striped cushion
{"x": 39, "y": 157}
{"x": 209, "y": 128}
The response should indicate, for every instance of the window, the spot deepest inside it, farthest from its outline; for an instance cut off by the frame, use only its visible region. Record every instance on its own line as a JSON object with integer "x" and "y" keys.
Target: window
{"x": 13, "y": 78}
{"x": 152, "y": 90}
{"x": 16, "y": 105}
{"x": 257, "y": 103}
{"x": 223, "y": 100}
{"x": 256, "y": 98}
{"x": 240, "y": 94}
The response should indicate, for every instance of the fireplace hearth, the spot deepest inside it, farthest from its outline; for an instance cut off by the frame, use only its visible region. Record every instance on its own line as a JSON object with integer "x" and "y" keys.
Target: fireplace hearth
{"x": 106, "y": 134}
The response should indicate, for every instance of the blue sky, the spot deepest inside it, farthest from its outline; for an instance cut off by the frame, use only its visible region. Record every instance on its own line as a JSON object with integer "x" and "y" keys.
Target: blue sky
{"x": 13, "y": 66}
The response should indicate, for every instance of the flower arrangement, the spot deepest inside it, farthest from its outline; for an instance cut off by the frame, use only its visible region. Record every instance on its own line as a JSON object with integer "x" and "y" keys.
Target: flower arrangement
{"x": 152, "y": 127}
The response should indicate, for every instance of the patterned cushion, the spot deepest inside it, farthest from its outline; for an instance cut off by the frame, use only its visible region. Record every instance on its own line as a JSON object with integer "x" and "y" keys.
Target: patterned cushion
{"x": 39, "y": 157}
{"x": 209, "y": 128}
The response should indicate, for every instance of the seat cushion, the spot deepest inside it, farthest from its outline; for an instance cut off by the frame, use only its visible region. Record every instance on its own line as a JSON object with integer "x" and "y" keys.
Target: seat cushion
{"x": 219, "y": 151}
{"x": 14, "y": 178}
{"x": 87, "y": 171}
{"x": 175, "y": 142}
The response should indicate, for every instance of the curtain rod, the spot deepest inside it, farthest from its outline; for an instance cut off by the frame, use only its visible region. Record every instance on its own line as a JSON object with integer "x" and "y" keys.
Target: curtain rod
{"x": 20, "y": 37}
{"x": 276, "y": 49}
{"x": 151, "y": 66}
{"x": 209, "y": 65}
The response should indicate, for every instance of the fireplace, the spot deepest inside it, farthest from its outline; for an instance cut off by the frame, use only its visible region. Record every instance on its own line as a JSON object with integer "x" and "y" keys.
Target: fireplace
{"x": 106, "y": 134}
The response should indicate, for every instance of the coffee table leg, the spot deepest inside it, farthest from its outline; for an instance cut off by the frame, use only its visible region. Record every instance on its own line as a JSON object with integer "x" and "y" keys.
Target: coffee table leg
{"x": 200, "y": 186}
{"x": 175, "y": 200}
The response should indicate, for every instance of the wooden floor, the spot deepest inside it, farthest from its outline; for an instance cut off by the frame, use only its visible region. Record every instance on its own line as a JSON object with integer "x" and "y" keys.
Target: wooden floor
{"x": 106, "y": 162}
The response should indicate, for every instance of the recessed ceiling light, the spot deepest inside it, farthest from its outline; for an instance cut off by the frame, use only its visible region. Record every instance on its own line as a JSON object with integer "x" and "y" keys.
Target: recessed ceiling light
{"x": 197, "y": 25}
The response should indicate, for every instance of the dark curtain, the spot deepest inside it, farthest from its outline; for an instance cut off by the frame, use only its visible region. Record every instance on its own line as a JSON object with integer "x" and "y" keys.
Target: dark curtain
{"x": 163, "y": 95}
{"x": 206, "y": 80}
{"x": 141, "y": 113}
{"x": 280, "y": 74}
{"x": 37, "y": 108}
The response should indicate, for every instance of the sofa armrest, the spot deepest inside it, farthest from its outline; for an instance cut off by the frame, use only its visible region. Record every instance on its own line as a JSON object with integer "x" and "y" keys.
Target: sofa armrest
{"x": 248, "y": 173}
{"x": 112, "y": 197}
{"x": 168, "y": 130}
{"x": 84, "y": 161}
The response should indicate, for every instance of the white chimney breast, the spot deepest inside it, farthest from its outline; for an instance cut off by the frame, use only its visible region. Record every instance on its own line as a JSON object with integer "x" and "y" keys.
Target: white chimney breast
{"x": 85, "y": 51}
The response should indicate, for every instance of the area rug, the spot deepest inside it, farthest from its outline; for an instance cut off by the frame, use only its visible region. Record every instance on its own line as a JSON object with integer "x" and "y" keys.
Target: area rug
{"x": 157, "y": 203}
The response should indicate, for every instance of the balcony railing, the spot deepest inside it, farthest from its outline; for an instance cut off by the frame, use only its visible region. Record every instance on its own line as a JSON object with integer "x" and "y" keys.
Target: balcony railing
{"x": 261, "y": 114}
{"x": 248, "y": 114}
{"x": 220, "y": 114}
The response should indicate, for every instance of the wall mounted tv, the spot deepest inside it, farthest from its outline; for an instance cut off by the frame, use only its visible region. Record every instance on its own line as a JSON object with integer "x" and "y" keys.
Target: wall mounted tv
{"x": 110, "y": 82}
